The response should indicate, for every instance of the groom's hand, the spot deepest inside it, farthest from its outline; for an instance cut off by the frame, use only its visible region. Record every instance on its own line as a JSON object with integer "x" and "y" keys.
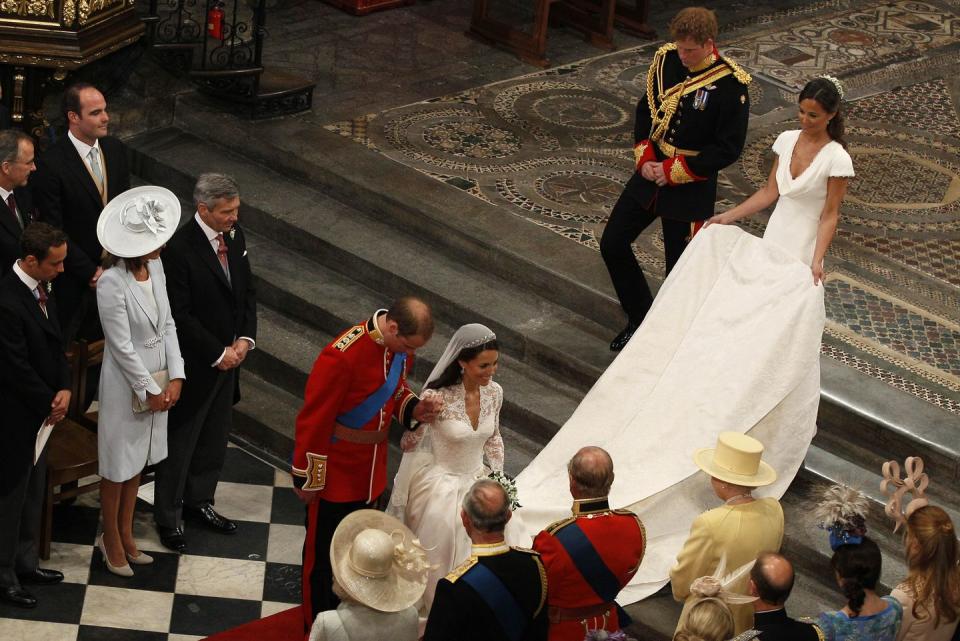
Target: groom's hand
{"x": 428, "y": 409}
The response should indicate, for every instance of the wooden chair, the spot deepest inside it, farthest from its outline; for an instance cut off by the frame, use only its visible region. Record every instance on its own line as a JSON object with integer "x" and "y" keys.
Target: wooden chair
{"x": 592, "y": 17}
{"x": 72, "y": 448}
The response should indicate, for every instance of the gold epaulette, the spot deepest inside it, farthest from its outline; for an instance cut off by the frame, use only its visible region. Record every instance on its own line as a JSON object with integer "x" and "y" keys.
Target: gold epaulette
{"x": 643, "y": 528}
{"x": 554, "y": 527}
{"x": 349, "y": 337}
{"x": 525, "y": 550}
{"x": 738, "y": 72}
{"x": 461, "y": 569}
{"x": 670, "y": 46}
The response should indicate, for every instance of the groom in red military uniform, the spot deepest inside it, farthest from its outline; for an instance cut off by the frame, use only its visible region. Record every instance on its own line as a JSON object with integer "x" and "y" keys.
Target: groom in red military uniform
{"x": 358, "y": 382}
{"x": 591, "y": 555}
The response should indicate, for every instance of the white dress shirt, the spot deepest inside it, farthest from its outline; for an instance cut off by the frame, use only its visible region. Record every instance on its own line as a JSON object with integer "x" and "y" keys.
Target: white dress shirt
{"x": 28, "y": 280}
{"x": 84, "y": 150}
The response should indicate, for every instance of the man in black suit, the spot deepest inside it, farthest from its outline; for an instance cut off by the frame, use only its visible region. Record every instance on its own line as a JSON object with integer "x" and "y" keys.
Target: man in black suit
{"x": 16, "y": 205}
{"x": 75, "y": 178}
{"x": 771, "y": 580}
{"x": 210, "y": 287}
{"x": 500, "y": 592}
{"x": 34, "y": 389}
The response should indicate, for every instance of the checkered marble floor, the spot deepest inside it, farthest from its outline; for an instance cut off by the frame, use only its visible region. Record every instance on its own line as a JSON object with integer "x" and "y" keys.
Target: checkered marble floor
{"x": 223, "y": 581}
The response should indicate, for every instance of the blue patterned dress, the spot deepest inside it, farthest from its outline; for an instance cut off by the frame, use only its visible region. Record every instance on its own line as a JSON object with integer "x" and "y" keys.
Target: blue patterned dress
{"x": 882, "y": 626}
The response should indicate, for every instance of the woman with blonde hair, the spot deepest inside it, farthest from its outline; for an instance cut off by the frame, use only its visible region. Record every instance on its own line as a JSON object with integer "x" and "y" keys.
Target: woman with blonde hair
{"x": 706, "y": 620}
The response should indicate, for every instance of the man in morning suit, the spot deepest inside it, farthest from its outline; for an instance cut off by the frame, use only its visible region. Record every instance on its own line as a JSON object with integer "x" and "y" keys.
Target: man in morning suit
{"x": 34, "y": 389}
{"x": 591, "y": 555}
{"x": 210, "y": 287}
{"x": 358, "y": 382}
{"x": 691, "y": 124}
{"x": 16, "y": 204}
{"x": 771, "y": 580}
{"x": 500, "y": 592}
{"x": 79, "y": 174}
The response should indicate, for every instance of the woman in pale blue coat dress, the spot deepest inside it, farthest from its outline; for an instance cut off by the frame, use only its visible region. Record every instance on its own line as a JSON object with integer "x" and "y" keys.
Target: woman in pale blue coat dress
{"x": 141, "y": 341}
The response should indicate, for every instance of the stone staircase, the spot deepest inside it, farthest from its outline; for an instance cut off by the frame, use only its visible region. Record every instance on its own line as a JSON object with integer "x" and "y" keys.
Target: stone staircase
{"x": 322, "y": 264}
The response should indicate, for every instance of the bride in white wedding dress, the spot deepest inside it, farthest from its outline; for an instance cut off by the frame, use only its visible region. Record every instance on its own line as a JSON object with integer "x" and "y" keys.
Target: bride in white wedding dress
{"x": 443, "y": 459}
{"x": 732, "y": 342}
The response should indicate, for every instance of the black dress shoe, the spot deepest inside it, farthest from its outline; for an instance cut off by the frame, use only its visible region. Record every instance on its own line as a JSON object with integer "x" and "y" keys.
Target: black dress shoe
{"x": 209, "y": 517}
{"x": 621, "y": 339}
{"x": 172, "y": 538}
{"x": 41, "y": 576}
{"x": 18, "y": 597}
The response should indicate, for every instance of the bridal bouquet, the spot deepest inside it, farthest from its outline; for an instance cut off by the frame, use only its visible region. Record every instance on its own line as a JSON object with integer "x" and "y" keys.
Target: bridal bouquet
{"x": 509, "y": 486}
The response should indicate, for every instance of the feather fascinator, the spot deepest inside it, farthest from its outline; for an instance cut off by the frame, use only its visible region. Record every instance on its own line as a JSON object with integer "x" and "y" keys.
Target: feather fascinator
{"x": 842, "y": 511}
{"x": 718, "y": 584}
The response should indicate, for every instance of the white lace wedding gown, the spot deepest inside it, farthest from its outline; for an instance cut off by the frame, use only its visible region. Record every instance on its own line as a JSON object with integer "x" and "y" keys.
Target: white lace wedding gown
{"x": 440, "y": 477}
{"x": 732, "y": 342}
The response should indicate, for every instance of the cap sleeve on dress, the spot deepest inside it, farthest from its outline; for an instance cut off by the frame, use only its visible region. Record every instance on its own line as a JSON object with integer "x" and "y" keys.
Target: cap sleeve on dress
{"x": 841, "y": 165}
{"x": 782, "y": 143}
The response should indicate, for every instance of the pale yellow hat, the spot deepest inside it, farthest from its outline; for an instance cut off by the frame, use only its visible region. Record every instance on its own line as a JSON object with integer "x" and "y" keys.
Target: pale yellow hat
{"x": 736, "y": 459}
{"x": 378, "y": 562}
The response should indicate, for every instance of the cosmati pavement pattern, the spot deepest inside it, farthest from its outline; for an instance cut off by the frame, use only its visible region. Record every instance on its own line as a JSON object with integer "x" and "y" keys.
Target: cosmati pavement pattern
{"x": 554, "y": 147}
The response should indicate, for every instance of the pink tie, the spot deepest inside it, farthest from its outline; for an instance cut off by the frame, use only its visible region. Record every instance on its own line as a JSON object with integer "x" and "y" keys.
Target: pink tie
{"x": 222, "y": 253}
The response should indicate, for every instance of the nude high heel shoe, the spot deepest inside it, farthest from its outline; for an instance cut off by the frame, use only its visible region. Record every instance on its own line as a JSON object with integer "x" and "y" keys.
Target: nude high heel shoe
{"x": 120, "y": 570}
{"x": 142, "y": 558}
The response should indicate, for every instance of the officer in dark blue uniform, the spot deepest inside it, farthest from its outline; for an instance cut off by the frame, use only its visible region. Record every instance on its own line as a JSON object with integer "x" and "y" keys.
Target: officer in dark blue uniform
{"x": 500, "y": 592}
{"x": 691, "y": 124}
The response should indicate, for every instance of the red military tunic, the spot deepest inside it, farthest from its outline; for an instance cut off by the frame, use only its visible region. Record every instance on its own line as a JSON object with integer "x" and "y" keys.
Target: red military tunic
{"x": 346, "y": 373}
{"x": 618, "y": 536}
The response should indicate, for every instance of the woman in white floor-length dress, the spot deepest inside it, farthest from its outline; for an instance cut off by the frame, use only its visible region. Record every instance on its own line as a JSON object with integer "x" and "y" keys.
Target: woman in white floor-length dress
{"x": 444, "y": 458}
{"x": 732, "y": 342}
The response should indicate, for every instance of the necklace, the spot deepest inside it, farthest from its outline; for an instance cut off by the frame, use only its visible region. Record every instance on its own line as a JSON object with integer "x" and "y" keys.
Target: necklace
{"x": 737, "y": 498}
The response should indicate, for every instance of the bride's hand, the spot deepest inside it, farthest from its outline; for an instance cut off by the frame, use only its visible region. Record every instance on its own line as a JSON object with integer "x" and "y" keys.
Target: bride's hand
{"x": 817, "y": 269}
{"x": 719, "y": 219}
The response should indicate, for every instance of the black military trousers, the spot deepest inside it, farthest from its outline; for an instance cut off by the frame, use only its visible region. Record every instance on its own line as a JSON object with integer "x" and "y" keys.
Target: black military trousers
{"x": 627, "y": 220}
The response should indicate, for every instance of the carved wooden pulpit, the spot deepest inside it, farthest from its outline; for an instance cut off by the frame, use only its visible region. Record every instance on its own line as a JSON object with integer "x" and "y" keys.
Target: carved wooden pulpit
{"x": 40, "y": 39}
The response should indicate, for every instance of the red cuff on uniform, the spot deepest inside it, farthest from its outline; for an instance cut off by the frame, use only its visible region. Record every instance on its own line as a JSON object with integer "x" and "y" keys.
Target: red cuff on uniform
{"x": 643, "y": 152}
{"x": 678, "y": 172}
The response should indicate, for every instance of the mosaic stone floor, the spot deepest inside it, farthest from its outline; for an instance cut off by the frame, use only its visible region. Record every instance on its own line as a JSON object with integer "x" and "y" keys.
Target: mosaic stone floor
{"x": 554, "y": 147}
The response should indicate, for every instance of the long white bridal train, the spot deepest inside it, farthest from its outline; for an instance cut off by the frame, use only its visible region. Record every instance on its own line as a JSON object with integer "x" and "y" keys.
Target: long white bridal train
{"x": 732, "y": 342}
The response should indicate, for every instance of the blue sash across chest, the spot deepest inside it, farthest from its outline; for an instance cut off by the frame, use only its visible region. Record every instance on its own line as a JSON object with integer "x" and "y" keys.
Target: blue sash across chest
{"x": 591, "y": 566}
{"x": 499, "y": 599}
{"x": 360, "y": 415}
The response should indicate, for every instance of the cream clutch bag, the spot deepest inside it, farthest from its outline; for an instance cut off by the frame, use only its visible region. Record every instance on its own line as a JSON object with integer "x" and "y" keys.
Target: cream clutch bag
{"x": 162, "y": 379}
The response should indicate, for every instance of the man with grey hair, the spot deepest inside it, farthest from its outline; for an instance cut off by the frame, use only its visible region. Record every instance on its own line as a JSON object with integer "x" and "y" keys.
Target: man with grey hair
{"x": 16, "y": 203}
{"x": 497, "y": 593}
{"x": 591, "y": 555}
{"x": 210, "y": 287}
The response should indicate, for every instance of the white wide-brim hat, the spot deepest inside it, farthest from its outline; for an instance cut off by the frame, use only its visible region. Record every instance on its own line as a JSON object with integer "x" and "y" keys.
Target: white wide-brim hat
{"x": 377, "y": 561}
{"x": 736, "y": 459}
{"x": 138, "y": 221}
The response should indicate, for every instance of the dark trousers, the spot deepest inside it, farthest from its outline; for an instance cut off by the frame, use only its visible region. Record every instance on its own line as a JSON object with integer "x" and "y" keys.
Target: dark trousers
{"x": 196, "y": 449}
{"x": 322, "y": 520}
{"x": 20, "y": 508}
{"x": 627, "y": 220}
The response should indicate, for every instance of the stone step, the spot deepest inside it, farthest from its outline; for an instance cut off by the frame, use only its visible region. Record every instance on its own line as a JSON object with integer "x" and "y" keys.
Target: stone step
{"x": 319, "y": 303}
{"x": 453, "y": 221}
{"x": 531, "y": 327}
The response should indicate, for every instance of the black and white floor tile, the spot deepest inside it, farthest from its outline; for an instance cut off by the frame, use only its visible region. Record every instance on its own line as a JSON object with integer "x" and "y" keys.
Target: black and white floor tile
{"x": 222, "y": 582}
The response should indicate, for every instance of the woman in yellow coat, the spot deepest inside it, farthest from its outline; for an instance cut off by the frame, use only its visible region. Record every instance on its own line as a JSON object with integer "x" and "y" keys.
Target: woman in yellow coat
{"x": 741, "y": 528}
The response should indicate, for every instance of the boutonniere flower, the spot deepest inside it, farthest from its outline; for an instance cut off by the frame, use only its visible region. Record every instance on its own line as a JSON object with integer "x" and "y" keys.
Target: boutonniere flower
{"x": 233, "y": 232}
{"x": 48, "y": 286}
